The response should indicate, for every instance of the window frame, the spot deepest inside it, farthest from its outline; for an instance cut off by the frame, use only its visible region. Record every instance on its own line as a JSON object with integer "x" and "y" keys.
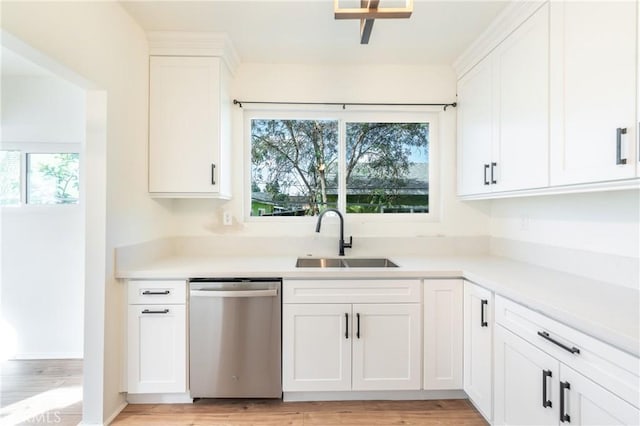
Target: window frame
{"x": 372, "y": 114}
{"x": 42, "y": 148}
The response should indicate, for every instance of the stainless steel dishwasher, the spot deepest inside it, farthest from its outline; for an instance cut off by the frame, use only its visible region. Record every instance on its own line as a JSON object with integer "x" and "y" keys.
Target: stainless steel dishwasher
{"x": 235, "y": 338}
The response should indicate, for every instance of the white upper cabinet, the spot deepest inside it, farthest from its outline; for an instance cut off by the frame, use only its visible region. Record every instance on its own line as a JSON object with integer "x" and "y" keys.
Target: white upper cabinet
{"x": 521, "y": 152}
{"x": 475, "y": 128}
{"x": 189, "y": 127}
{"x": 503, "y": 114}
{"x": 593, "y": 87}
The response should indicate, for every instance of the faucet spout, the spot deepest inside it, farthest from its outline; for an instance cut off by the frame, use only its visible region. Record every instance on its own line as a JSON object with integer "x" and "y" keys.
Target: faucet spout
{"x": 342, "y": 244}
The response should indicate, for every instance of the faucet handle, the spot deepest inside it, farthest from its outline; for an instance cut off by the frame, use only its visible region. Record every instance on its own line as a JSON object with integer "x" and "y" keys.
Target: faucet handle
{"x": 349, "y": 244}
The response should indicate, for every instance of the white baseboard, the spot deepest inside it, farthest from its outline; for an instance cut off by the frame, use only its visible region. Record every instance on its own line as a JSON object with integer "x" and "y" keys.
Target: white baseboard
{"x": 374, "y": 395}
{"x": 159, "y": 398}
{"x": 115, "y": 413}
{"x": 110, "y": 419}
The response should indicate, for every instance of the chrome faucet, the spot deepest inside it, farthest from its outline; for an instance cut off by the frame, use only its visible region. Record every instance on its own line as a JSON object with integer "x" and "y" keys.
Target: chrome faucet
{"x": 343, "y": 245}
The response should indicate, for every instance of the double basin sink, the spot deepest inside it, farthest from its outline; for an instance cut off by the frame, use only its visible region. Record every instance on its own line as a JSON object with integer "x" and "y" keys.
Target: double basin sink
{"x": 337, "y": 262}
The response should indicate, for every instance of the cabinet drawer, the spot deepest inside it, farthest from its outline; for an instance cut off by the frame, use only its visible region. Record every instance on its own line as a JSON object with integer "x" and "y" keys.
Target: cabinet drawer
{"x": 351, "y": 291}
{"x": 612, "y": 368}
{"x": 156, "y": 292}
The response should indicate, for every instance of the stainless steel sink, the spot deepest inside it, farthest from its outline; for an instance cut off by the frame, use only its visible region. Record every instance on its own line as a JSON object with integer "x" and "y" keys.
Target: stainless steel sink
{"x": 370, "y": 263}
{"x": 324, "y": 262}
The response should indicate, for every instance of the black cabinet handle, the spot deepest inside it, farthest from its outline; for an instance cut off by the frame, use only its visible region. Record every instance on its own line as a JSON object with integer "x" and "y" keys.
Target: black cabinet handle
{"x": 346, "y": 326}
{"x": 546, "y": 336}
{"x": 483, "y": 321}
{"x": 147, "y": 311}
{"x": 564, "y": 417}
{"x": 619, "y": 132}
{"x": 486, "y": 169}
{"x": 545, "y": 401}
{"x": 493, "y": 180}
{"x": 213, "y": 174}
{"x": 358, "y": 327}
{"x": 149, "y": 292}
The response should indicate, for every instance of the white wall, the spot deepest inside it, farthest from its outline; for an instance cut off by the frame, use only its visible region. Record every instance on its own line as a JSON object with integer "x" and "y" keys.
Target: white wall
{"x": 594, "y": 235}
{"x": 41, "y": 109}
{"x": 334, "y": 83}
{"x": 599, "y": 222}
{"x": 100, "y": 41}
{"x": 42, "y": 280}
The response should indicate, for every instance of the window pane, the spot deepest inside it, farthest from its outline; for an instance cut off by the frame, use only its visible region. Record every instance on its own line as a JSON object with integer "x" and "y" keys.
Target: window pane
{"x": 53, "y": 178}
{"x": 9, "y": 178}
{"x": 294, "y": 167}
{"x": 387, "y": 168}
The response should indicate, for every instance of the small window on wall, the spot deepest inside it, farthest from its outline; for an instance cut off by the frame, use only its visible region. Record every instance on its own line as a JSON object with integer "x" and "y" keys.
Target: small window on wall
{"x": 9, "y": 178}
{"x": 48, "y": 178}
{"x": 53, "y": 178}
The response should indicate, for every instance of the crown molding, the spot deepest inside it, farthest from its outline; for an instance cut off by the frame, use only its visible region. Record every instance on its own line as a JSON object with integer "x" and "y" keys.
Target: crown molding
{"x": 177, "y": 43}
{"x": 504, "y": 24}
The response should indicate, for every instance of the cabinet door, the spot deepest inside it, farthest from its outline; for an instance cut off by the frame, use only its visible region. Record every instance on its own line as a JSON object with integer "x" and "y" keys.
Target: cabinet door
{"x": 593, "y": 82}
{"x": 184, "y": 120}
{"x": 443, "y": 334}
{"x": 386, "y": 347}
{"x": 478, "y": 350}
{"x": 157, "y": 349}
{"x": 587, "y": 403}
{"x": 526, "y": 382}
{"x": 521, "y": 153}
{"x": 316, "y": 347}
{"x": 475, "y": 128}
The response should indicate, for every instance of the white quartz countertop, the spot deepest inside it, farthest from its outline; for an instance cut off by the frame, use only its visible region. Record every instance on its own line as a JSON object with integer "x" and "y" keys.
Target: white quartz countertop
{"x": 607, "y": 312}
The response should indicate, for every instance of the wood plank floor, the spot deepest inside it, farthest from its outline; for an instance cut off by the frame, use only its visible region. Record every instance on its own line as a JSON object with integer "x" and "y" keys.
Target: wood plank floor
{"x": 276, "y": 413}
{"x": 37, "y": 392}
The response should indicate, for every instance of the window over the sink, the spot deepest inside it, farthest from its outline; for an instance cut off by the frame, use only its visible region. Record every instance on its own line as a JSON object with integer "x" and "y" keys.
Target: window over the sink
{"x": 359, "y": 162}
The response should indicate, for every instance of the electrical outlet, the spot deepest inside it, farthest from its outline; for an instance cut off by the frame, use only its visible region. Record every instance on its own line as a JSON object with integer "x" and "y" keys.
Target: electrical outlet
{"x": 227, "y": 219}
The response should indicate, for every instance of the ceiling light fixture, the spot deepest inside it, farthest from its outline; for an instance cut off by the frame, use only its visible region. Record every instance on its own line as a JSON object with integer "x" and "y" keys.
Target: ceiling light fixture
{"x": 368, "y": 12}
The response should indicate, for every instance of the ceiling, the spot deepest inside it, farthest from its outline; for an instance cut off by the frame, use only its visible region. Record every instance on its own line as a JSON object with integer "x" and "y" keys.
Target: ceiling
{"x": 305, "y": 31}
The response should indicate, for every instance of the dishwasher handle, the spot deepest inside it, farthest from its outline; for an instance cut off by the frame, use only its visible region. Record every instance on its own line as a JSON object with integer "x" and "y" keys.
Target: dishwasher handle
{"x": 234, "y": 293}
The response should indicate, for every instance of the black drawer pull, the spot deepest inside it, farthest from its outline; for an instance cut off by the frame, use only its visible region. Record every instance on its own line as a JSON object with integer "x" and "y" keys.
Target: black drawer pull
{"x": 619, "y": 132}
{"x": 572, "y": 349}
{"x": 493, "y": 180}
{"x": 483, "y": 321}
{"x": 147, "y": 311}
{"x": 545, "y": 401}
{"x": 213, "y": 174}
{"x": 149, "y": 292}
{"x": 486, "y": 169}
{"x": 346, "y": 326}
{"x": 358, "y": 328}
{"x": 564, "y": 417}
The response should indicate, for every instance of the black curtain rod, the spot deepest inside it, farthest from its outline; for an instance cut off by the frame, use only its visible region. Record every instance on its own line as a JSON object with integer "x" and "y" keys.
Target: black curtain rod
{"x": 343, "y": 104}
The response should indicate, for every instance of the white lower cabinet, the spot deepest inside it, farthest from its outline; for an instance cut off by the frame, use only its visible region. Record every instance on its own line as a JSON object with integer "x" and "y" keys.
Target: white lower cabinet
{"x": 351, "y": 346}
{"x": 443, "y": 330}
{"x": 587, "y": 403}
{"x": 337, "y": 347}
{"x": 386, "y": 342}
{"x": 156, "y": 337}
{"x": 526, "y": 382}
{"x": 478, "y": 347}
{"x": 316, "y": 349}
{"x": 536, "y": 378}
